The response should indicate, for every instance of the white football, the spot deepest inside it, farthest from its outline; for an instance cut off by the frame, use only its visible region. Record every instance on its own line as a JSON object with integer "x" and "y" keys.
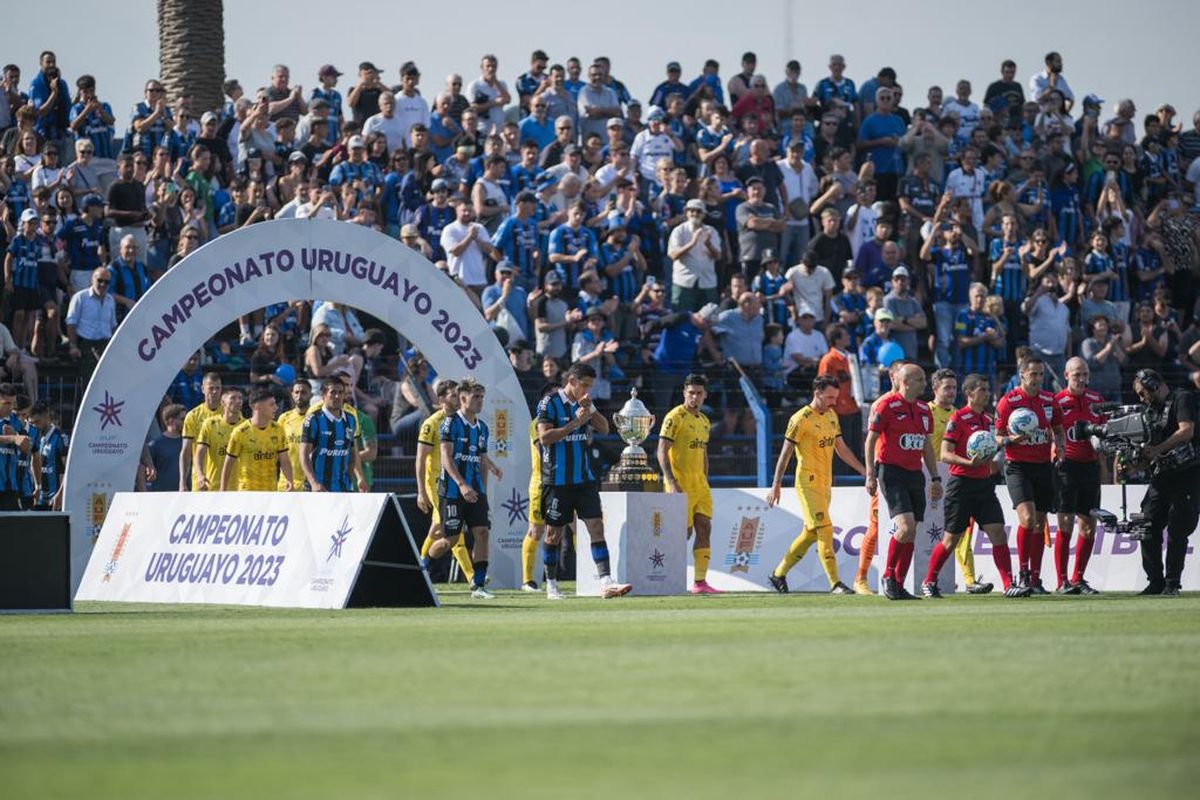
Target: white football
{"x": 1022, "y": 422}
{"x": 981, "y": 444}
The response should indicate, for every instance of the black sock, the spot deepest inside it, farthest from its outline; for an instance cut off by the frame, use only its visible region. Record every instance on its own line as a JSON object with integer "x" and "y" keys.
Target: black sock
{"x": 550, "y": 561}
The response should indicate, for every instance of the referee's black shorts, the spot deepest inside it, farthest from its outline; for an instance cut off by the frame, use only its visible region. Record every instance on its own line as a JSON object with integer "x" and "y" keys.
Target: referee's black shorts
{"x": 971, "y": 499}
{"x": 562, "y": 504}
{"x": 903, "y": 490}
{"x": 1030, "y": 483}
{"x": 1077, "y": 487}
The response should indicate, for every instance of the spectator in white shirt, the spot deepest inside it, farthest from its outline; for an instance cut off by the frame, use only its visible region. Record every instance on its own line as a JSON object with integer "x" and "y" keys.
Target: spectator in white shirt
{"x": 802, "y": 350}
{"x": 693, "y": 248}
{"x": 800, "y": 183}
{"x": 961, "y": 105}
{"x": 1051, "y": 79}
{"x": 411, "y": 108}
{"x": 466, "y": 242}
{"x": 489, "y": 95}
{"x": 393, "y": 128}
{"x": 811, "y": 286}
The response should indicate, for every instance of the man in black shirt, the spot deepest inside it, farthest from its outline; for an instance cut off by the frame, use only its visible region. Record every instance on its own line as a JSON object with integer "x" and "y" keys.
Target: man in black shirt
{"x": 1172, "y": 500}
{"x": 831, "y": 245}
{"x": 126, "y": 208}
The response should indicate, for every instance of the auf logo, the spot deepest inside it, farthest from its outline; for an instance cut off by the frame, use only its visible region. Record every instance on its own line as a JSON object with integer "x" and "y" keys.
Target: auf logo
{"x": 109, "y": 411}
{"x": 935, "y": 534}
{"x": 339, "y": 538}
{"x": 516, "y": 507}
{"x": 657, "y": 559}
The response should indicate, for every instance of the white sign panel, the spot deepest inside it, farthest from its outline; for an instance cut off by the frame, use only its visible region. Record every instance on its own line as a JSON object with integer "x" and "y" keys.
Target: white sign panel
{"x": 647, "y": 544}
{"x": 748, "y": 540}
{"x": 244, "y": 548}
{"x": 248, "y": 269}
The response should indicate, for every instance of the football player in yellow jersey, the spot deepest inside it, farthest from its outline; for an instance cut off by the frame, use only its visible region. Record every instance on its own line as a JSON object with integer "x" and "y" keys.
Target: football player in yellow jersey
{"x": 814, "y": 434}
{"x": 213, "y": 440}
{"x": 257, "y": 450}
{"x": 537, "y": 523}
{"x": 429, "y": 468}
{"x": 945, "y": 393}
{"x": 683, "y": 457}
{"x": 292, "y": 422}
{"x": 210, "y": 386}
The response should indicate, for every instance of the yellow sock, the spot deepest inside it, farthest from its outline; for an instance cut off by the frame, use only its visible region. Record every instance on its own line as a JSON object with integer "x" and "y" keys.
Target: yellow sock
{"x": 964, "y": 554}
{"x": 701, "y": 555}
{"x": 529, "y": 549}
{"x": 425, "y": 545}
{"x": 828, "y": 559}
{"x": 796, "y": 552}
{"x": 463, "y": 558}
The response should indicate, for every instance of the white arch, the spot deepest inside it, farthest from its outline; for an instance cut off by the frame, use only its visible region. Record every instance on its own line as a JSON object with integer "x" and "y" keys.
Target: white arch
{"x": 270, "y": 263}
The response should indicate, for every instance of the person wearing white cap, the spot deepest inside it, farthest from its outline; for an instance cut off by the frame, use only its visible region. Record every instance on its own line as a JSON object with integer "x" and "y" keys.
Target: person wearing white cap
{"x": 21, "y": 277}
{"x": 357, "y": 167}
{"x": 803, "y": 349}
{"x": 907, "y": 310}
{"x": 693, "y": 248}
{"x": 654, "y": 143}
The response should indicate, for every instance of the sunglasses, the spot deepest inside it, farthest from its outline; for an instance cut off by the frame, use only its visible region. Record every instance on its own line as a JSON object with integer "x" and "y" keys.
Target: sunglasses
{"x": 86, "y": 151}
{"x": 103, "y": 283}
{"x": 190, "y": 236}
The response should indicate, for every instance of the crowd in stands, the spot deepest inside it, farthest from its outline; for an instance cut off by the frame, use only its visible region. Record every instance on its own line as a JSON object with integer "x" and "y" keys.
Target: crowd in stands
{"x": 741, "y": 225}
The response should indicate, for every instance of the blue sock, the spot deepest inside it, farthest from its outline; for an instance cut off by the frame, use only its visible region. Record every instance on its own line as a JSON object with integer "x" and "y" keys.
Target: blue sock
{"x": 600, "y": 556}
{"x": 550, "y": 562}
{"x": 481, "y": 573}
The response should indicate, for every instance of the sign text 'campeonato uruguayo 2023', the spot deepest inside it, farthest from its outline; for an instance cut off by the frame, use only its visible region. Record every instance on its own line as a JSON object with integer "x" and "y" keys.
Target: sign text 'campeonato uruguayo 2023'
{"x": 385, "y": 279}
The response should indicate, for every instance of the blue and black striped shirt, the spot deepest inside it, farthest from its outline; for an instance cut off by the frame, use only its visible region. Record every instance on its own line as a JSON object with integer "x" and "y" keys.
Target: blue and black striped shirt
{"x": 518, "y": 240}
{"x": 567, "y": 462}
{"x": 470, "y": 443}
{"x": 52, "y": 447}
{"x": 10, "y": 455}
{"x": 1012, "y": 282}
{"x": 332, "y": 441}
{"x": 26, "y": 253}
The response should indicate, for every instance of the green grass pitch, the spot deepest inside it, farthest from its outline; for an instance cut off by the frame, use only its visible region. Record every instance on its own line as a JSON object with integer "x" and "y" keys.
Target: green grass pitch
{"x": 739, "y": 696}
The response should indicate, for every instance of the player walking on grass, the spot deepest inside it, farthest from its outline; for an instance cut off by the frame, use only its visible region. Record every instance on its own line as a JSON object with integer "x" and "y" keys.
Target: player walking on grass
{"x": 327, "y": 454}
{"x": 1029, "y": 473}
{"x": 213, "y": 440}
{"x": 945, "y": 391}
{"x": 570, "y": 485}
{"x": 683, "y": 457}
{"x": 292, "y": 422}
{"x": 1077, "y": 479}
{"x": 901, "y": 424}
{"x": 429, "y": 472}
{"x": 814, "y": 435}
{"x": 257, "y": 450}
{"x": 866, "y": 553}
{"x": 210, "y": 387}
{"x": 970, "y": 493}
{"x": 462, "y": 488}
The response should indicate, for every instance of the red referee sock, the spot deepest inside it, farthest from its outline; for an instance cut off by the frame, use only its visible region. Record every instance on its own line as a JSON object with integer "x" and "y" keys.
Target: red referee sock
{"x": 1083, "y": 552}
{"x": 1037, "y": 551}
{"x": 1003, "y": 558}
{"x": 937, "y": 559}
{"x": 904, "y": 560}
{"x": 1022, "y": 548}
{"x": 892, "y": 557}
{"x": 1062, "y": 554}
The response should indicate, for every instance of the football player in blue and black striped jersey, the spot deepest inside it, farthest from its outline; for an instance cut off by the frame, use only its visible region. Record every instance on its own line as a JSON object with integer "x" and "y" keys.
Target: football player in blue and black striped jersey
{"x": 327, "y": 452}
{"x": 570, "y": 482}
{"x": 49, "y": 457}
{"x": 462, "y": 487}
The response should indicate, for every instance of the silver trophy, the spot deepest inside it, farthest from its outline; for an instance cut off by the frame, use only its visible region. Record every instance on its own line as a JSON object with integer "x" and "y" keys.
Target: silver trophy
{"x": 634, "y": 423}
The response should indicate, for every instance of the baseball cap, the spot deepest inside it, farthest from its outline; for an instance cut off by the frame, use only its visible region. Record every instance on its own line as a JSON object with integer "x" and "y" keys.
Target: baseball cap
{"x": 253, "y": 152}
{"x": 409, "y": 230}
{"x": 320, "y": 102}
{"x": 505, "y": 266}
{"x": 374, "y": 336}
{"x": 885, "y": 315}
{"x": 769, "y": 254}
{"x": 439, "y": 184}
{"x": 1093, "y": 100}
{"x": 594, "y": 311}
{"x": 356, "y": 142}
{"x": 207, "y": 116}
{"x": 368, "y": 65}
{"x": 614, "y": 122}
{"x": 615, "y": 220}
{"x": 328, "y": 69}
{"x": 695, "y": 205}
{"x": 571, "y": 149}
{"x": 673, "y": 66}
{"x": 753, "y": 180}
{"x": 850, "y": 271}
{"x": 553, "y": 277}
{"x": 805, "y": 310}
{"x": 901, "y": 272}
{"x": 29, "y": 215}
{"x": 88, "y": 202}
{"x": 656, "y": 113}
{"x": 297, "y": 157}
{"x": 526, "y": 196}
{"x": 546, "y": 181}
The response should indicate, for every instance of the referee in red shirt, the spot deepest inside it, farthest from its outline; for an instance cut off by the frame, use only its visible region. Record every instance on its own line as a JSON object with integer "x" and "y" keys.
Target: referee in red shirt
{"x": 1029, "y": 473}
{"x": 1076, "y": 479}
{"x": 902, "y": 425}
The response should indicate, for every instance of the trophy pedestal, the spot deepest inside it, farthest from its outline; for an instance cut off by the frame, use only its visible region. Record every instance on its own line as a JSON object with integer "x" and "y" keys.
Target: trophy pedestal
{"x": 632, "y": 473}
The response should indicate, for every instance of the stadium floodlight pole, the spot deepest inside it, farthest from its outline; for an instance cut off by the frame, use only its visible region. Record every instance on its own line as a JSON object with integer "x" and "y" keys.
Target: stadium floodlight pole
{"x": 762, "y": 425}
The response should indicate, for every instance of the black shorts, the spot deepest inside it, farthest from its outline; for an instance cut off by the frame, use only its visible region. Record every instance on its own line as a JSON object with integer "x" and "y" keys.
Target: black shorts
{"x": 458, "y": 512}
{"x": 26, "y": 299}
{"x": 562, "y": 504}
{"x": 1077, "y": 487}
{"x": 903, "y": 490}
{"x": 971, "y": 499}
{"x": 1030, "y": 483}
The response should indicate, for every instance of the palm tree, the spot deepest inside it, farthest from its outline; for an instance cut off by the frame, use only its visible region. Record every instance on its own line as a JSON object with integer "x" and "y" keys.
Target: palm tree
{"x": 191, "y": 51}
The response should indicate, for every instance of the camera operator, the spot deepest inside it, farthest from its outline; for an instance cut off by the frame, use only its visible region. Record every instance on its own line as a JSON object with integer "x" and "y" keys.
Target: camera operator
{"x": 1076, "y": 479}
{"x": 1172, "y": 500}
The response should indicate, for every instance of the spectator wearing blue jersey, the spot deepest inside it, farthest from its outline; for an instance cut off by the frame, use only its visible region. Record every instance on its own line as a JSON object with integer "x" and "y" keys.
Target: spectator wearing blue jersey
{"x": 977, "y": 335}
{"x": 506, "y": 304}
{"x": 879, "y": 140}
{"x": 710, "y": 80}
{"x": 92, "y": 119}
{"x": 15, "y": 445}
{"x": 130, "y": 278}
{"x": 327, "y": 452}
{"x": 1066, "y": 207}
{"x": 357, "y": 167}
{"x": 48, "y": 448}
{"x": 573, "y": 248}
{"x": 836, "y": 91}
{"x": 151, "y": 119}
{"x": 519, "y": 240}
{"x": 672, "y": 85}
{"x": 538, "y": 126}
{"x": 82, "y": 240}
{"x": 868, "y": 351}
{"x": 49, "y": 94}
{"x": 21, "y": 277}
{"x": 434, "y": 216}
{"x": 1149, "y": 265}
{"x": 951, "y": 278}
{"x": 1118, "y": 251}
{"x": 530, "y": 82}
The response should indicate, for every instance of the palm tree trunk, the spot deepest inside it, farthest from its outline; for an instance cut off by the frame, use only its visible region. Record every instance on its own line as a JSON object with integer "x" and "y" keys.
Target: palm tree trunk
{"x": 191, "y": 51}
